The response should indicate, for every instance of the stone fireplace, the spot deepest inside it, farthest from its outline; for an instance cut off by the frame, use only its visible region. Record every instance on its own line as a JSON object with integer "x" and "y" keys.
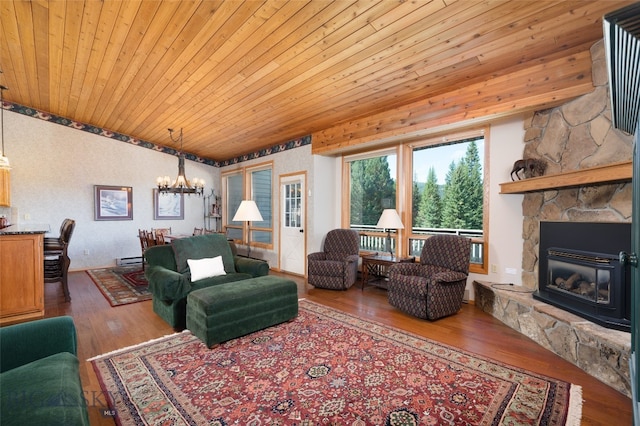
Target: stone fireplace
{"x": 575, "y": 136}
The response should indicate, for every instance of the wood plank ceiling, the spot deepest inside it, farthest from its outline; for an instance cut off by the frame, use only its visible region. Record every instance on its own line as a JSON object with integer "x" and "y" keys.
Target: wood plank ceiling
{"x": 239, "y": 76}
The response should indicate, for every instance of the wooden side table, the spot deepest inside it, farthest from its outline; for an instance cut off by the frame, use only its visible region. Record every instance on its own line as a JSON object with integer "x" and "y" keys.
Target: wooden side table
{"x": 375, "y": 268}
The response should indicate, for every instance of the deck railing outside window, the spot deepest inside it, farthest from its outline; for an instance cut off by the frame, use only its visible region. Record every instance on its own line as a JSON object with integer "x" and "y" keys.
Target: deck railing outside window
{"x": 372, "y": 240}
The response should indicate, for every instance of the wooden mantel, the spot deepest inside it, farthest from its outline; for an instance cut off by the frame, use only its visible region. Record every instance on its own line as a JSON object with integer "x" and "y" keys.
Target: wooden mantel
{"x": 616, "y": 172}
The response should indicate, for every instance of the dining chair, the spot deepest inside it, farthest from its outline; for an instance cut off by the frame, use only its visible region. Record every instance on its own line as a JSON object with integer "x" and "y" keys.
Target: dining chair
{"x": 151, "y": 240}
{"x": 160, "y": 239}
{"x": 142, "y": 236}
{"x": 56, "y": 257}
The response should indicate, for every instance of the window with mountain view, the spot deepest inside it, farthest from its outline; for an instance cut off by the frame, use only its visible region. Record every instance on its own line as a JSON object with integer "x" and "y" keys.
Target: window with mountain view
{"x": 448, "y": 191}
{"x": 441, "y": 185}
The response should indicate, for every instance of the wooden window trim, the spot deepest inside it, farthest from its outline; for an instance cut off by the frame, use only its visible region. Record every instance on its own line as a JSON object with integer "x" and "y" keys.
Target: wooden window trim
{"x": 404, "y": 152}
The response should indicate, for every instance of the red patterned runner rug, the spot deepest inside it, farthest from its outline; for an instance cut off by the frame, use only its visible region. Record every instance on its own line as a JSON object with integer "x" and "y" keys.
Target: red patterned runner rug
{"x": 326, "y": 367}
{"x": 121, "y": 285}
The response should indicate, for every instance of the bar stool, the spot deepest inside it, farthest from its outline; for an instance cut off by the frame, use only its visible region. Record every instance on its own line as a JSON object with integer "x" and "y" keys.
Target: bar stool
{"x": 56, "y": 258}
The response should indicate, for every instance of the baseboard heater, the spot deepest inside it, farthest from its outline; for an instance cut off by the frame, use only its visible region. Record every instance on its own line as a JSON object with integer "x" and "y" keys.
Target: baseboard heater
{"x": 124, "y": 261}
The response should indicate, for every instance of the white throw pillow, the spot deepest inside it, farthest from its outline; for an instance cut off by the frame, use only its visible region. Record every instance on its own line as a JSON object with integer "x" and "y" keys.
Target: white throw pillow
{"x": 205, "y": 268}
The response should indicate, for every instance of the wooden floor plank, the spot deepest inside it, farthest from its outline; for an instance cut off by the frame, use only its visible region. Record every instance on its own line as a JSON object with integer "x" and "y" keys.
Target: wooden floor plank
{"x": 102, "y": 328}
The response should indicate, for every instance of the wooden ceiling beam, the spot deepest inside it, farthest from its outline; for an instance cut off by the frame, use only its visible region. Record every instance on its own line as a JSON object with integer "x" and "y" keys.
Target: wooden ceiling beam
{"x": 538, "y": 87}
{"x": 346, "y": 101}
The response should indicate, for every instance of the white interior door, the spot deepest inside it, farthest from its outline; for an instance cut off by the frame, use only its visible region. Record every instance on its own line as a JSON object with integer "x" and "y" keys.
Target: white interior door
{"x": 292, "y": 239}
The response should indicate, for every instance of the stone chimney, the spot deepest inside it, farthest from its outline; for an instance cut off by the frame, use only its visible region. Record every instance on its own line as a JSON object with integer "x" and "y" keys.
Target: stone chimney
{"x": 574, "y": 136}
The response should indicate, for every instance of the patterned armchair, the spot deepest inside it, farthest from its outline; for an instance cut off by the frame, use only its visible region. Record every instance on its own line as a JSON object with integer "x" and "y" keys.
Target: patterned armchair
{"x": 337, "y": 266}
{"x": 433, "y": 288}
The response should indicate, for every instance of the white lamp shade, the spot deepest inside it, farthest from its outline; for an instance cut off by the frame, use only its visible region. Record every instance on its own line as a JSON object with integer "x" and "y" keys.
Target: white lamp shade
{"x": 390, "y": 220}
{"x": 248, "y": 211}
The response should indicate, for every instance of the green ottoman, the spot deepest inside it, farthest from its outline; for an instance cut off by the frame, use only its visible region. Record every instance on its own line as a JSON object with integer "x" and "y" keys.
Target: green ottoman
{"x": 226, "y": 311}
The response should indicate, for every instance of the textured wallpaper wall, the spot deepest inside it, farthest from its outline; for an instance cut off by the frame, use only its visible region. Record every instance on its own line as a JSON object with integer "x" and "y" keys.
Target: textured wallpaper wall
{"x": 55, "y": 168}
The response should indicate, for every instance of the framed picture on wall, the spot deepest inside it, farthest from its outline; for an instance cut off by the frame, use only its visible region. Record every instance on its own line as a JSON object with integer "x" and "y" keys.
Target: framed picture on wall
{"x": 168, "y": 206}
{"x": 113, "y": 202}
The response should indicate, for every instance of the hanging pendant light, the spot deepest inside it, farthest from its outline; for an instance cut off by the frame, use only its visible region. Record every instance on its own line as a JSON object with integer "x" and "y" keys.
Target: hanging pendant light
{"x": 181, "y": 184}
{"x": 4, "y": 161}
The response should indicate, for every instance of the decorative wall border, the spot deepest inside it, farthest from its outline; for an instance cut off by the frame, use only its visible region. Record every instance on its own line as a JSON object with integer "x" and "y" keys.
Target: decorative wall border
{"x": 34, "y": 113}
{"x": 294, "y": 143}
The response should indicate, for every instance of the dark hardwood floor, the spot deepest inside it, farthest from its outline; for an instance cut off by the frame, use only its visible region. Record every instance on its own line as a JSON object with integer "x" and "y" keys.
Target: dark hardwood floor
{"x": 102, "y": 328}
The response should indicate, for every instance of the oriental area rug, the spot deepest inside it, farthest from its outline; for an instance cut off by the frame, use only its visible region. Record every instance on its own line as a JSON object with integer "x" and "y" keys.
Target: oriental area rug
{"x": 121, "y": 285}
{"x": 326, "y": 367}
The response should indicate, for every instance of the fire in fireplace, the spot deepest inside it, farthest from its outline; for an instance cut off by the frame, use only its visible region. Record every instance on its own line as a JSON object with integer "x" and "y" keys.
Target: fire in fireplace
{"x": 580, "y": 271}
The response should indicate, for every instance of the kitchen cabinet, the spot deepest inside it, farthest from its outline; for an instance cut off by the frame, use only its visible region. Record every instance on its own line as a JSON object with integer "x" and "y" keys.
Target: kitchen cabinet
{"x": 21, "y": 276}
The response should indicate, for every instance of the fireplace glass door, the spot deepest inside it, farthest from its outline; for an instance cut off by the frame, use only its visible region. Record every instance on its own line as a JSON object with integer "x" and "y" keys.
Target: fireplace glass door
{"x": 587, "y": 276}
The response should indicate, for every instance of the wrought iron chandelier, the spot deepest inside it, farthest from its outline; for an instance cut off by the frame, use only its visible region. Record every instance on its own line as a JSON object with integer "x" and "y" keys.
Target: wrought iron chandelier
{"x": 181, "y": 184}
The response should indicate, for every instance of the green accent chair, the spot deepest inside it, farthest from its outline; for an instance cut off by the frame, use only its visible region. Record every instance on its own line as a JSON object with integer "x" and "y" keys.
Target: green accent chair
{"x": 40, "y": 374}
{"x": 169, "y": 275}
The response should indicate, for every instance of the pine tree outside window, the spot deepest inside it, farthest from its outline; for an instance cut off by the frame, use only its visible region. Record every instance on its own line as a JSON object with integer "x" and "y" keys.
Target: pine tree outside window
{"x": 372, "y": 188}
{"x": 440, "y": 189}
{"x": 447, "y": 192}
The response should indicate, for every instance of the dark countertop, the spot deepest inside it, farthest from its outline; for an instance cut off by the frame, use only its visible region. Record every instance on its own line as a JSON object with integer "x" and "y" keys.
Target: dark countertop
{"x": 25, "y": 228}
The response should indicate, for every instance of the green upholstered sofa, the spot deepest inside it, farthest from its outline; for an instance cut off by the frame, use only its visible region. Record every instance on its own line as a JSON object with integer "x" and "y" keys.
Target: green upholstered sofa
{"x": 39, "y": 374}
{"x": 169, "y": 275}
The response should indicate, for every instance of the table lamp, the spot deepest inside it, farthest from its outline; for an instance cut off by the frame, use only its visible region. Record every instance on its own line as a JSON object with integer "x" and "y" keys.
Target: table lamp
{"x": 388, "y": 221}
{"x": 248, "y": 211}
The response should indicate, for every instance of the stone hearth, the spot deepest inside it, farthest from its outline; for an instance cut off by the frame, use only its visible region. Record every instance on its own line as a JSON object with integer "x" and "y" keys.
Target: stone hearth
{"x": 601, "y": 352}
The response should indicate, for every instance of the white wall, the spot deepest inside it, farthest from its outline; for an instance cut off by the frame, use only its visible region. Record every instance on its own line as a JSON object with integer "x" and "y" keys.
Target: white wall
{"x": 297, "y": 160}
{"x": 54, "y": 169}
{"x": 505, "y": 210}
{"x": 323, "y": 195}
{"x": 326, "y": 200}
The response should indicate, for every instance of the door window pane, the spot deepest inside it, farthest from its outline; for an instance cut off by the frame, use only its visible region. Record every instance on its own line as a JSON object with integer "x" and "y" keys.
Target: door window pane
{"x": 292, "y": 205}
